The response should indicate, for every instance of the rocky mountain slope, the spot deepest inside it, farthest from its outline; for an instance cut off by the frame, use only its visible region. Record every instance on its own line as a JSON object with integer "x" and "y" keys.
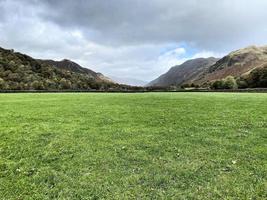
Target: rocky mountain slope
{"x": 186, "y": 72}
{"x": 236, "y": 64}
{"x": 202, "y": 71}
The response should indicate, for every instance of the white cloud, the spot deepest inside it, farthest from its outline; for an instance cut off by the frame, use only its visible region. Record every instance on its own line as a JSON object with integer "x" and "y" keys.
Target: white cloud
{"x": 170, "y": 58}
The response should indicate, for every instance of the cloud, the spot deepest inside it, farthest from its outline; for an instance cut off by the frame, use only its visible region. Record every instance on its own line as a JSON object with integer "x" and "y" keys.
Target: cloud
{"x": 133, "y": 38}
{"x": 207, "y": 24}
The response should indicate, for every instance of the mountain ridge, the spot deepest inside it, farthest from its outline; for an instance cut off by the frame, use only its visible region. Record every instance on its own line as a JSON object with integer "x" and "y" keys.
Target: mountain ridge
{"x": 185, "y": 72}
{"x": 70, "y": 65}
{"x": 238, "y": 64}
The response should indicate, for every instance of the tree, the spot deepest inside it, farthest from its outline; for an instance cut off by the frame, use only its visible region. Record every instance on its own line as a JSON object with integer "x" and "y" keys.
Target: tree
{"x": 14, "y": 85}
{"x": 14, "y": 77}
{"x": 50, "y": 84}
{"x": 219, "y": 84}
{"x": 2, "y": 84}
{"x": 263, "y": 77}
{"x": 37, "y": 85}
{"x": 241, "y": 83}
{"x": 230, "y": 83}
{"x": 65, "y": 84}
{"x": 184, "y": 86}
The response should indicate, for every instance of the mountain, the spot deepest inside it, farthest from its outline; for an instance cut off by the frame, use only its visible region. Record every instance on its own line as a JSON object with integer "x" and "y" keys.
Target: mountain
{"x": 240, "y": 65}
{"x": 69, "y": 65}
{"x": 186, "y": 72}
{"x": 22, "y": 72}
{"x": 129, "y": 81}
{"x": 237, "y": 64}
{"x": 242, "y": 68}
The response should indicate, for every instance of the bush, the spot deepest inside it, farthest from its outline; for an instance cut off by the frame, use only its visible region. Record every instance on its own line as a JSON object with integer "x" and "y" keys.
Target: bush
{"x": 37, "y": 85}
{"x": 65, "y": 84}
{"x": 219, "y": 84}
{"x": 230, "y": 83}
{"x": 186, "y": 85}
{"x": 2, "y": 84}
{"x": 257, "y": 78}
{"x": 241, "y": 83}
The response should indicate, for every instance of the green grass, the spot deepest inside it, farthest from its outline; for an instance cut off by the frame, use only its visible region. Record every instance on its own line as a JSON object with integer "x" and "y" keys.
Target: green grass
{"x": 133, "y": 146}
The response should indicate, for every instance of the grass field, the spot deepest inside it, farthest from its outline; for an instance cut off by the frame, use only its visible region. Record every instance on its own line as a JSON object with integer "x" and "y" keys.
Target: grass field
{"x": 133, "y": 146}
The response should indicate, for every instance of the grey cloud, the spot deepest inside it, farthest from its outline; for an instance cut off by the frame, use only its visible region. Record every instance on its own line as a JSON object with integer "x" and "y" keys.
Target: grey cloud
{"x": 2, "y": 11}
{"x": 206, "y": 24}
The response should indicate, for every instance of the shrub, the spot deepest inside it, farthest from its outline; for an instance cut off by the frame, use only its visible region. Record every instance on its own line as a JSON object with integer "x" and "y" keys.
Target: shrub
{"x": 230, "y": 83}
{"x": 2, "y": 84}
{"x": 257, "y": 78}
{"x": 37, "y": 85}
{"x": 65, "y": 84}
{"x": 241, "y": 83}
{"x": 219, "y": 84}
{"x": 186, "y": 85}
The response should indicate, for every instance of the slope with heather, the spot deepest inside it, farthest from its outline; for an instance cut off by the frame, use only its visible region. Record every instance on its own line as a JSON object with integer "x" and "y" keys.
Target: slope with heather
{"x": 237, "y": 64}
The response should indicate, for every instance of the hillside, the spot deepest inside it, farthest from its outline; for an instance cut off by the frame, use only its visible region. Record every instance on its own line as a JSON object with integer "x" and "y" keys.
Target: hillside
{"x": 186, "y": 72}
{"x": 74, "y": 67}
{"x": 236, "y": 64}
{"x": 246, "y": 66}
{"x": 22, "y": 72}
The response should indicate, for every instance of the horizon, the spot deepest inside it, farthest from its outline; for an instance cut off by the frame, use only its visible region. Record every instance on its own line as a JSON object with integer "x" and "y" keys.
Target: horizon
{"x": 141, "y": 43}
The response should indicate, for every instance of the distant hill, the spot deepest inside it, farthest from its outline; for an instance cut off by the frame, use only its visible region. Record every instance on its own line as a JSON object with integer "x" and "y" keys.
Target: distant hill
{"x": 129, "y": 81}
{"x": 22, "y": 72}
{"x": 186, "y": 72}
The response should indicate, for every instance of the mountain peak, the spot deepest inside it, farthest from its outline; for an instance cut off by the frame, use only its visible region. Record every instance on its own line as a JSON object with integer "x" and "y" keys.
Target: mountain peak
{"x": 253, "y": 49}
{"x": 66, "y": 60}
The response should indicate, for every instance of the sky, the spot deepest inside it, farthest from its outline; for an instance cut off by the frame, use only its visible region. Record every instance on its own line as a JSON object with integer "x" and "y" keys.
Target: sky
{"x": 131, "y": 38}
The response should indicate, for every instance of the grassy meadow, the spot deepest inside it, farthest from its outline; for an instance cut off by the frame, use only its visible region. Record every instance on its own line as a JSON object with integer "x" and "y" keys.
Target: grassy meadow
{"x": 133, "y": 146}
